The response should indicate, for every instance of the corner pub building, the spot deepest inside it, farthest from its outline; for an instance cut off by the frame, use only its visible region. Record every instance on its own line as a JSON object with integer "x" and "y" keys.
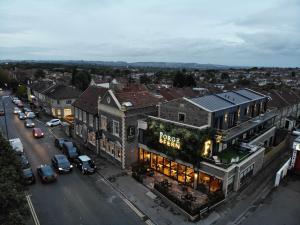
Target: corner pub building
{"x": 216, "y": 142}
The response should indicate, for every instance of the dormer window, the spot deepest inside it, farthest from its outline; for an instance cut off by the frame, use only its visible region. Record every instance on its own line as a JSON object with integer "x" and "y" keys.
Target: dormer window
{"x": 181, "y": 117}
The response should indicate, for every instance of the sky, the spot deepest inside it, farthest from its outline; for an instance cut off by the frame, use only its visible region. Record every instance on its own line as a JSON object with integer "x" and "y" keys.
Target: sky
{"x": 231, "y": 32}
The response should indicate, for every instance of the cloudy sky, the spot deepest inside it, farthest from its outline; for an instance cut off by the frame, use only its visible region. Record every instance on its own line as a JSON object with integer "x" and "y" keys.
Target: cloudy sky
{"x": 232, "y": 32}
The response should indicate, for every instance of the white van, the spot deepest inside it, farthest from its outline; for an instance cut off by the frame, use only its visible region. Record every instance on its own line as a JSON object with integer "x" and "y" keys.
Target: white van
{"x": 16, "y": 144}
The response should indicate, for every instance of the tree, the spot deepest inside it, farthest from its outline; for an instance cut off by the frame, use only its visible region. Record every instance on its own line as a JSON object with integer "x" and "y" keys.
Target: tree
{"x": 39, "y": 73}
{"x": 243, "y": 82}
{"x": 21, "y": 91}
{"x": 190, "y": 81}
{"x": 13, "y": 207}
{"x": 81, "y": 79}
{"x": 144, "y": 79}
{"x": 224, "y": 76}
{"x": 179, "y": 79}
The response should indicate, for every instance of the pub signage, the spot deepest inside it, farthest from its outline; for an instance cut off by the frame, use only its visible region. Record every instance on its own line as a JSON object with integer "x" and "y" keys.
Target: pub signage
{"x": 169, "y": 140}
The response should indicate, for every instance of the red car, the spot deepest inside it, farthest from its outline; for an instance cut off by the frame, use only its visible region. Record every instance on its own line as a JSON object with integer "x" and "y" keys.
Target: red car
{"x": 37, "y": 132}
{"x": 20, "y": 105}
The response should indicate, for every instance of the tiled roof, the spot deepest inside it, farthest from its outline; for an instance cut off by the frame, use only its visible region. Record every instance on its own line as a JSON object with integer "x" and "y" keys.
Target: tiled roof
{"x": 60, "y": 91}
{"x": 139, "y": 99}
{"x": 250, "y": 94}
{"x": 88, "y": 100}
{"x": 174, "y": 93}
{"x": 41, "y": 86}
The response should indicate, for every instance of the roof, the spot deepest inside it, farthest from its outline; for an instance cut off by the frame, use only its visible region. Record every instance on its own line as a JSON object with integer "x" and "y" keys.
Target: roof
{"x": 212, "y": 103}
{"x": 88, "y": 100}
{"x": 174, "y": 93}
{"x": 41, "y": 86}
{"x": 139, "y": 99}
{"x": 84, "y": 158}
{"x": 60, "y": 91}
{"x": 227, "y": 100}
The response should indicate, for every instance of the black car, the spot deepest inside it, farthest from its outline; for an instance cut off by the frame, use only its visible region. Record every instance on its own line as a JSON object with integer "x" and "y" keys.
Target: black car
{"x": 85, "y": 164}
{"x": 61, "y": 163}
{"x": 70, "y": 150}
{"x": 22, "y": 116}
{"x": 46, "y": 174}
{"x": 28, "y": 176}
{"x": 24, "y": 161}
{"x": 58, "y": 142}
{"x": 29, "y": 123}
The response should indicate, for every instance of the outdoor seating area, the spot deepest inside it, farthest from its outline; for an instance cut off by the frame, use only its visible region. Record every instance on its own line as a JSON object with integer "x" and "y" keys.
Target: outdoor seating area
{"x": 189, "y": 199}
{"x": 231, "y": 155}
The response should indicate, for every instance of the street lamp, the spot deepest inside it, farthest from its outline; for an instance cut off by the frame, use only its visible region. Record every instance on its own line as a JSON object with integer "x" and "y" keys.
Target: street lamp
{"x": 3, "y": 97}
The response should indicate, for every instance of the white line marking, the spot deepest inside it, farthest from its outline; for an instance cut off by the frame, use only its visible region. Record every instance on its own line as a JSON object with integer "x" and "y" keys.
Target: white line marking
{"x": 33, "y": 213}
{"x": 149, "y": 222}
{"x": 133, "y": 208}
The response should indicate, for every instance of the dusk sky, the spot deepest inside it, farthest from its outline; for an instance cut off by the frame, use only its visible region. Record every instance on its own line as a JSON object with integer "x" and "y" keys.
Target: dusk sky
{"x": 232, "y": 32}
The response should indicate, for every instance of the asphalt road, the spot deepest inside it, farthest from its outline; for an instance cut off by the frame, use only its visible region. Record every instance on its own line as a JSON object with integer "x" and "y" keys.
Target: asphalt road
{"x": 74, "y": 198}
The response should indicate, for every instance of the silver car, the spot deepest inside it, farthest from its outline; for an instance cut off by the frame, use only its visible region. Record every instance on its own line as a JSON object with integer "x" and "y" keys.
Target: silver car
{"x": 29, "y": 123}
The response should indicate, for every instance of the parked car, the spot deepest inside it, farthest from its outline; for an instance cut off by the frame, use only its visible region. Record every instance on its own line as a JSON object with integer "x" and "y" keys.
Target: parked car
{"x": 29, "y": 123}
{"x": 61, "y": 163}
{"x": 26, "y": 110}
{"x": 58, "y": 142}
{"x": 20, "y": 104}
{"x": 2, "y": 113}
{"x": 53, "y": 122}
{"x": 37, "y": 132}
{"x": 22, "y": 116}
{"x": 85, "y": 164}
{"x": 70, "y": 150}
{"x": 30, "y": 115}
{"x": 15, "y": 100}
{"x": 16, "y": 145}
{"x": 17, "y": 110}
{"x": 28, "y": 176}
{"x": 296, "y": 132}
{"x": 24, "y": 161}
{"x": 46, "y": 174}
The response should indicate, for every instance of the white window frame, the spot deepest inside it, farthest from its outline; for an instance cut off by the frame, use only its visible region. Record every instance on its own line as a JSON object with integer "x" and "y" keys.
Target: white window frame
{"x": 116, "y": 128}
{"x": 76, "y": 112}
{"x": 84, "y": 116}
{"x": 79, "y": 114}
{"x": 102, "y": 125}
{"x": 91, "y": 120}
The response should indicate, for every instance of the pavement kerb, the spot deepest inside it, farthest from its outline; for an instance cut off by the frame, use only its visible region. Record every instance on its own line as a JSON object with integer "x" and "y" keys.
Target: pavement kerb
{"x": 138, "y": 211}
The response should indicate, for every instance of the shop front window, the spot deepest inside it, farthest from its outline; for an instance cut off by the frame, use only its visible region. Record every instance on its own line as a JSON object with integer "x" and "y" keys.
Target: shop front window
{"x": 160, "y": 163}
{"x": 189, "y": 176}
{"x": 146, "y": 157}
{"x": 174, "y": 170}
{"x": 181, "y": 173}
{"x": 167, "y": 166}
{"x": 141, "y": 154}
{"x": 153, "y": 161}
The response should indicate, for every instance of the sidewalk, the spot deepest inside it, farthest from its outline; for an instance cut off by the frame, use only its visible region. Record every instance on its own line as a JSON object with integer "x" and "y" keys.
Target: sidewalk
{"x": 231, "y": 212}
{"x": 138, "y": 194}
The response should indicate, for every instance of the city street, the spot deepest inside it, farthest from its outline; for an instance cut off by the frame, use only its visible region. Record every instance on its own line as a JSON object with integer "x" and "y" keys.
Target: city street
{"x": 74, "y": 198}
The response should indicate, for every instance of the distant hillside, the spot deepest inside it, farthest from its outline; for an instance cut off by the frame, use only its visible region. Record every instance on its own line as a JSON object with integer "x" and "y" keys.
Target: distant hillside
{"x": 176, "y": 65}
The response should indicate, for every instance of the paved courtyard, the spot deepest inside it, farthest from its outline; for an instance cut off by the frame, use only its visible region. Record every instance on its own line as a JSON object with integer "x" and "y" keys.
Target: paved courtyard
{"x": 281, "y": 207}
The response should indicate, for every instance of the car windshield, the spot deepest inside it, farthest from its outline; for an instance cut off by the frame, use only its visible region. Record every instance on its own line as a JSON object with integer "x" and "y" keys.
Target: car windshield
{"x": 27, "y": 172}
{"x": 47, "y": 171}
{"x": 63, "y": 161}
{"x": 29, "y": 121}
{"x": 88, "y": 163}
{"x": 73, "y": 151}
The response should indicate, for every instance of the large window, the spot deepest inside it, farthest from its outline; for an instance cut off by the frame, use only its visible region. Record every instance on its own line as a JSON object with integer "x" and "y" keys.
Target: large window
{"x": 115, "y": 128}
{"x": 92, "y": 138}
{"x": 103, "y": 123}
{"x": 76, "y": 112}
{"x": 91, "y": 120}
{"x": 79, "y": 114}
{"x": 84, "y": 116}
{"x": 167, "y": 166}
{"x": 181, "y": 117}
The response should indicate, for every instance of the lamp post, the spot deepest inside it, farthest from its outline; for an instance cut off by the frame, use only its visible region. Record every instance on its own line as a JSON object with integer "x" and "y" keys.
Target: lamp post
{"x": 3, "y": 104}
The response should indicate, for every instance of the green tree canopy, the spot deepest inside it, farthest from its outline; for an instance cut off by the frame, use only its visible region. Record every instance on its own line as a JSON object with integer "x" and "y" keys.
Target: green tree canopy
{"x": 81, "y": 79}
{"x": 13, "y": 206}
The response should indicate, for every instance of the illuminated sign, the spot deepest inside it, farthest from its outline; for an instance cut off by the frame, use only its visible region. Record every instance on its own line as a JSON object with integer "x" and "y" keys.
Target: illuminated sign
{"x": 296, "y": 146}
{"x": 169, "y": 141}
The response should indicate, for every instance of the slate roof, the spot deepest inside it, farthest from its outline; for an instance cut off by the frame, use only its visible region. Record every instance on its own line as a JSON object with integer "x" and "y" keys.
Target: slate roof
{"x": 60, "y": 91}
{"x": 227, "y": 99}
{"x": 88, "y": 100}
